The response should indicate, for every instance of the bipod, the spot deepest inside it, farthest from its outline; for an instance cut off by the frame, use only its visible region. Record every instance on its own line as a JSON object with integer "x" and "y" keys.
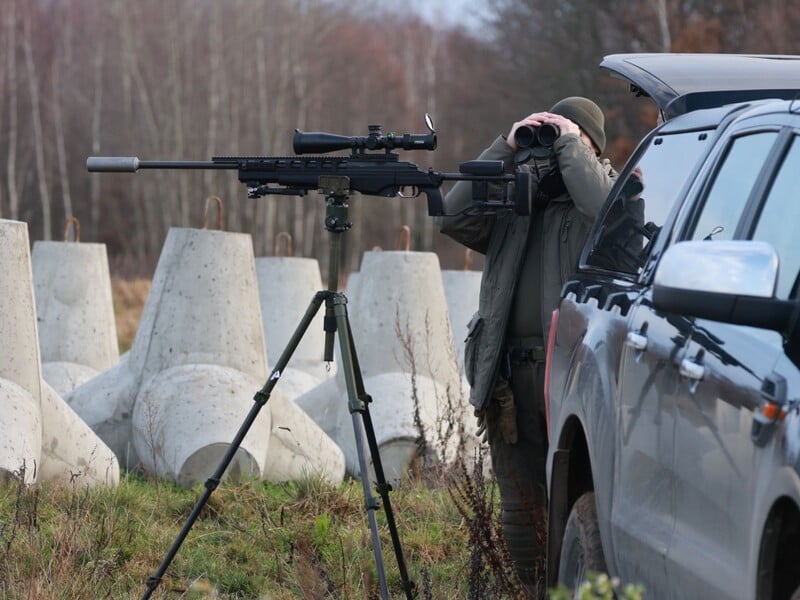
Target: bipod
{"x": 336, "y": 189}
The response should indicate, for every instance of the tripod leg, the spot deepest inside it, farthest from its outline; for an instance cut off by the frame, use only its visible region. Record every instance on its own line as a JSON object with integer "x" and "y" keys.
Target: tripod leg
{"x": 358, "y": 401}
{"x": 261, "y": 397}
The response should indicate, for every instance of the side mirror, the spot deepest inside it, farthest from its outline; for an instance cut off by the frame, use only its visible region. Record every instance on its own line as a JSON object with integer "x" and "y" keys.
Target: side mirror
{"x": 729, "y": 281}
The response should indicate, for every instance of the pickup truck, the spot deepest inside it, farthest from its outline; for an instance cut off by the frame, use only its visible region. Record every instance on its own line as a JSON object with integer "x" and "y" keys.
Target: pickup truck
{"x": 672, "y": 384}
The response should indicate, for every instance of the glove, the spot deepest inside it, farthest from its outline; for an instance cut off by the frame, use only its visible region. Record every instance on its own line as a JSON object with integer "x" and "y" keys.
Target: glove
{"x": 506, "y": 411}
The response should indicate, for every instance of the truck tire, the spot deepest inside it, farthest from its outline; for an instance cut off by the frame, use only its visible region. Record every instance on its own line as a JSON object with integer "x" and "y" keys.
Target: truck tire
{"x": 581, "y": 548}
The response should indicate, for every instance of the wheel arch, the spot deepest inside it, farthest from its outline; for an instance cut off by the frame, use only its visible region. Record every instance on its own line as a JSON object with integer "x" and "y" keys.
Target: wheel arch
{"x": 779, "y": 551}
{"x": 571, "y": 476}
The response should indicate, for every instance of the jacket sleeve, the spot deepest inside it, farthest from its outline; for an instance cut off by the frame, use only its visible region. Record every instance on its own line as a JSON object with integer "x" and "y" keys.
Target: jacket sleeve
{"x": 588, "y": 179}
{"x": 473, "y": 230}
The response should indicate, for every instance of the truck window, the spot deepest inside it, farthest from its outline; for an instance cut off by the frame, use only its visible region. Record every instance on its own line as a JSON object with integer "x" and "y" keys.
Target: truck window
{"x": 779, "y": 215}
{"x": 731, "y": 187}
{"x": 638, "y": 212}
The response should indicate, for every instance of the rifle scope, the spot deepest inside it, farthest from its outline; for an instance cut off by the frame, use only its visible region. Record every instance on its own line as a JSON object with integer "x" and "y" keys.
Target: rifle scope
{"x": 319, "y": 142}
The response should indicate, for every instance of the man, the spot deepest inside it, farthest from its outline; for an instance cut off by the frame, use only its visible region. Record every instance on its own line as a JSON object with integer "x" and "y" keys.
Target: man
{"x": 528, "y": 259}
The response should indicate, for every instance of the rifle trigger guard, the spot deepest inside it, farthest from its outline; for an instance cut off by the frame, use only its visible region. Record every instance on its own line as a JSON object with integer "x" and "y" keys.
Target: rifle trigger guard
{"x": 414, "y": 191}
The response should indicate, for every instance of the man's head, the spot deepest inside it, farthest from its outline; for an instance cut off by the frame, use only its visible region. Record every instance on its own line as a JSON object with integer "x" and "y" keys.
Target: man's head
{"x": 587, "y": 115}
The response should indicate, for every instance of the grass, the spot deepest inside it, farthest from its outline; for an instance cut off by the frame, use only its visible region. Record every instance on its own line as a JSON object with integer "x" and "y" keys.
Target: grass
{"x": 253, "y": 539}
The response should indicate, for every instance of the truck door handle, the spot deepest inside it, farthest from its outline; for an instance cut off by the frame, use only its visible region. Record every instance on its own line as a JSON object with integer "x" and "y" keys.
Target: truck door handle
{"x": 637, "y": 340}
{"x": 692, "y": 370}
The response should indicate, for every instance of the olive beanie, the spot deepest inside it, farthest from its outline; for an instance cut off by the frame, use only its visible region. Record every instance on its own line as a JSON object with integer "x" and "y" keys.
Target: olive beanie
{"x": 586, "y": 114}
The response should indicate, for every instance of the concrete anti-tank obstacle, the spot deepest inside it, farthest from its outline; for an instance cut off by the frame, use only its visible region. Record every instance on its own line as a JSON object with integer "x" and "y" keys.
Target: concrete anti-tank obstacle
{"x": 20, "y": 381}
{"x": 286, "y": 286}
{"x": 179, "y": 396}
{"x": 323, "y": 402}
{"x": 77, "y": 331}
{"x": 462, "y": 291}
{"x": 202, "y": 310}
{"x": 70, "y": 447}
{"x": 298, "y": 447}
{"x": 399, "y": 319}
{"x": 37, "y": 428}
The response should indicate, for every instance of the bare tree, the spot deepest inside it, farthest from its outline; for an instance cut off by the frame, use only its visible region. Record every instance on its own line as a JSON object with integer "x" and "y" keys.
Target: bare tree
{"x": 38, "y": 135}
{"x": 11, "y": 62}
{"x": 60, "y": 61}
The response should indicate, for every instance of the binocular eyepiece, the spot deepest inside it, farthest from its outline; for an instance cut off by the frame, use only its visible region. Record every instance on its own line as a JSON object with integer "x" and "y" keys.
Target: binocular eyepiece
{"x": 544, "y": 136}
{"x": 321, "y": 142}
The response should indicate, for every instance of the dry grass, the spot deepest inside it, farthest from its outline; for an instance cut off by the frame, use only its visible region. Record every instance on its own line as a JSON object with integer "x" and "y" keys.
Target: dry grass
{"x": 129, "y": 297}
{"x": 300, "y": 540}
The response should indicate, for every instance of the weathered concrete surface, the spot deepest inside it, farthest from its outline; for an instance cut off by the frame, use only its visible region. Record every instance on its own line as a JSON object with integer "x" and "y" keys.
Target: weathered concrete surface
{"x": 20, "y": 432}
{"x": 37, "y": 428}
{"x": 203, "y": 306}
{"x": 298, "y": 447}
{"x": 105, "y": 403}
{"x": 461, "y": 290}
{"x": 20, "y": 381}
{"x": 75, "y": 310}
{"x": 399, "y": 318}
{"x": 185, "y": 418}
{"x": 64, "y": 377}
{"x": 175, "y": 402}
{"x": 202, "y": 310}
{"x": 286, "y": 286}
{"x": 71, "y": 451}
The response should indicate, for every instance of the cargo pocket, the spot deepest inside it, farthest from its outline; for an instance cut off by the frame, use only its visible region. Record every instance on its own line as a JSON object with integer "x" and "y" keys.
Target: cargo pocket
{"x": 471, "y": 347}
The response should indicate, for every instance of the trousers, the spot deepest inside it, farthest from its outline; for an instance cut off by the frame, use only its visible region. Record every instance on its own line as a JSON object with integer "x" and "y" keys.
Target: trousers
{"x": 520, "y": 471}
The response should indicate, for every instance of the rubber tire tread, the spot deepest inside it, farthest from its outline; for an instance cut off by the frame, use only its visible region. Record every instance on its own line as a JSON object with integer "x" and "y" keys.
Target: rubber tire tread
{"x": 582, "y": 524}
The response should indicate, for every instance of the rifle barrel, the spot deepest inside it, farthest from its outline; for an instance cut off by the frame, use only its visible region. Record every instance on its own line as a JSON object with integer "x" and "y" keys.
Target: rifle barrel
{"x": 131, "y": 164}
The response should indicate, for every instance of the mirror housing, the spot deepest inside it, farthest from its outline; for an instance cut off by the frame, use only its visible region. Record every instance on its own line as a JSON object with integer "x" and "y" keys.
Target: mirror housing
{"x": 729, "y": 281}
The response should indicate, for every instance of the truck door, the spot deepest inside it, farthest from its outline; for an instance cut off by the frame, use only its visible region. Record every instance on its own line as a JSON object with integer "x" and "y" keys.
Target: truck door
{"x": 716, "y": 462}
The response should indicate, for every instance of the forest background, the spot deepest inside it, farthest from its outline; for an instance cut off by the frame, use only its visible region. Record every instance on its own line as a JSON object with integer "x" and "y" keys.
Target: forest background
{"x": 188, "y": 79}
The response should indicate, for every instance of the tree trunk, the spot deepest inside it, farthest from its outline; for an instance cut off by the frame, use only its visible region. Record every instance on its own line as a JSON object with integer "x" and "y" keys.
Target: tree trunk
{"x": 11, "y": 160}
{"x": 176, "y": 27}
{"x": 58, "y": 121}
{"x": 97, "y": 113}
{"x": 663, "y": 24}
{"x": 38, "y": 136}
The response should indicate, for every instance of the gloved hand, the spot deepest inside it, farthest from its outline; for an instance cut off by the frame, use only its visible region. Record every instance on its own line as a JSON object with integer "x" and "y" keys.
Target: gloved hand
{"x": 502, "y": 409}
{"x": 506, "y": 411}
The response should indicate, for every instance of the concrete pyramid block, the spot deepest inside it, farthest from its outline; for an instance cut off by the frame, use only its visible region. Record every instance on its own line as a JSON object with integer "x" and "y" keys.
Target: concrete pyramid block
{"x": 77, "y": 330}
{"x": 105, "y": 402}
{"x": 38, "y": 429}
{"x": 177, "y": 399}
{"x": 399, "y": 318}
{"x": 202, "y": 309}
{"x": 70, "y": 448}
{"x": 20, "y": 432}
{"x": 299, "y": 448}
{"x": 186, "y": 416}
{"x": 462, "y": 292}
{"x": 200, "y": 327}
{"x": 286, "y": 286}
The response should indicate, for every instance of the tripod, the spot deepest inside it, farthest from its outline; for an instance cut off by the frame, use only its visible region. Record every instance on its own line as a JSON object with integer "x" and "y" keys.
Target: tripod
{"x": 336, "y": 189}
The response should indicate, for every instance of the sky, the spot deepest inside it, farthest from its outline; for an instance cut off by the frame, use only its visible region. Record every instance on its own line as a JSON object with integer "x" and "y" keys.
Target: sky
{"x": 466, "y": 12}
{"x": 448, "y": 12}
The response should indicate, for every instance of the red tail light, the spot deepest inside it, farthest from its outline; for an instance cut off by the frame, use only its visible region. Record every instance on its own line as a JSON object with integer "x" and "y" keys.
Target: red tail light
{"x": 548, "y": 364}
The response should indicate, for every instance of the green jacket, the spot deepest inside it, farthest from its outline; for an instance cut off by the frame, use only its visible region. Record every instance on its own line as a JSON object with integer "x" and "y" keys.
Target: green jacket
{"x": 567, "y": 221}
